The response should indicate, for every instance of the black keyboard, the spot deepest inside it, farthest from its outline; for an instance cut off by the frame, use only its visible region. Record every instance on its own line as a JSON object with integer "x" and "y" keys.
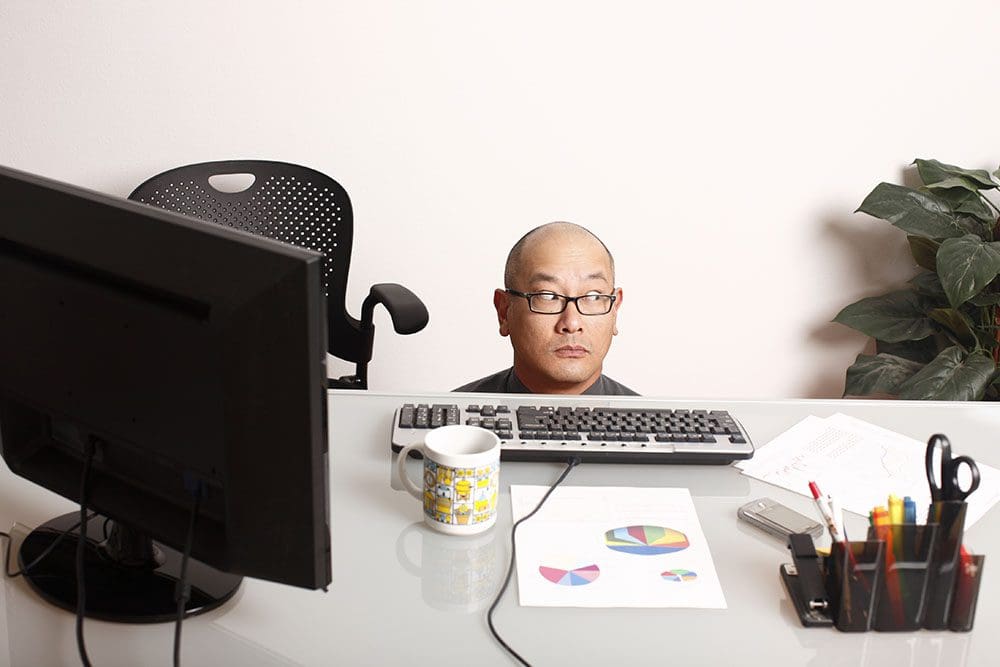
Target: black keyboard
{"x": 536, "y": 432}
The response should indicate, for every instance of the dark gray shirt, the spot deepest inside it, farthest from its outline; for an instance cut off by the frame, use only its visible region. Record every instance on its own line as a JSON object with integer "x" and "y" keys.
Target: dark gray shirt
{"x": 506, "y": 382}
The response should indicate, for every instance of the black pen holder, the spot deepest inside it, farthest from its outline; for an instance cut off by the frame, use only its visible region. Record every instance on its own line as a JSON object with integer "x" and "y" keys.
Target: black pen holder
{"x": 853, "y": 575}
{"x": 944, "y": 565}
{"x": 901, "y": 594}
{"x": 904, "y": 577}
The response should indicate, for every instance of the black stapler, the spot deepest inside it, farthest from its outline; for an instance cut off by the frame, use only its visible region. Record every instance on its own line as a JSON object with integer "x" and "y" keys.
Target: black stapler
{"x": 803, "y": 579}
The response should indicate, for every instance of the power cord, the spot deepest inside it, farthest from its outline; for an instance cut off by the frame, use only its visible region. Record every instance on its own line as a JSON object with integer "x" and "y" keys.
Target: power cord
{"x": 572, "y": 463}
{"x": 39, "y": 557}
{"x": 81, "y": 543}
{"x": 183, "y": 590}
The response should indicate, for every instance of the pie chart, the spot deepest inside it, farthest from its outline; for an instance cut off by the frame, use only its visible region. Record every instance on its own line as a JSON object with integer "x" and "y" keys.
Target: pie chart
{"x": 646, "y": 540}
{"x": 679, "y": 575}
{"x": 581, "y": 576}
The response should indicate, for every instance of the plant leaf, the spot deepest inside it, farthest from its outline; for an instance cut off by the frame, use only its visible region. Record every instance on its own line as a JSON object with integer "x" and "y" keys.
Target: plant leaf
{"x": 878, "y": 374}
{"x": 934, "y": 173}
{"x": 966, "y": 265}
{"x": 928, "y": 284}
{"x": 957, "y": 323}
{"x": 924, "y": 251}
{"x": 892, "y": 317}
{"x": 914, "y": 350}
{"x": 961, "y": 200}
{"x": 954, "y": 375}
{"x": 915, "y": 212}
{"x": 983, "y": 300}
{"x": 952, "y": 182}
{"x": 972, "y": 226}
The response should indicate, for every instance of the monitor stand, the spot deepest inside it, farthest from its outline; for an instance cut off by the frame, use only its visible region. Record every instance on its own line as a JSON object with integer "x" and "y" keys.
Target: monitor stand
{"x": 129, "y": 578}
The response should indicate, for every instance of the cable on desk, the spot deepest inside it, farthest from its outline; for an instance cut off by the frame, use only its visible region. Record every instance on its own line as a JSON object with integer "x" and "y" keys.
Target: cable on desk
{"x": 572, "y": 463}
{"x": 81, "y": 543}
{"x": 39, "y": 557}
{"x": 183, "y": 592}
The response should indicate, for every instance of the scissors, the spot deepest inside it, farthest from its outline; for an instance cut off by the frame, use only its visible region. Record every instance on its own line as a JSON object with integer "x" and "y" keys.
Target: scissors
{"x": 948, "y": 487}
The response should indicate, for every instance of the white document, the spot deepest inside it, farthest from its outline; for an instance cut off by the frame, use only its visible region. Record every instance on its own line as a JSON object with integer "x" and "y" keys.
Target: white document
{"x": 613, "y": 547}
{"x": 859, "y": 464}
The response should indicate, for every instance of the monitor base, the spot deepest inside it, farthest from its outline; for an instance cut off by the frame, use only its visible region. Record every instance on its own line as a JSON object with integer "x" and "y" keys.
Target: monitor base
{"x": 118, "y": 591}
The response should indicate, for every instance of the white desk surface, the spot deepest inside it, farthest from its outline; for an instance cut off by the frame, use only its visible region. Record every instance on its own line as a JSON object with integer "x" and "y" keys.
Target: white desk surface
{"x": 404, "y": 595}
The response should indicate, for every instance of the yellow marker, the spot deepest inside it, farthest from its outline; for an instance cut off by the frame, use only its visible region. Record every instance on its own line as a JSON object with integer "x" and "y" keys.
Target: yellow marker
{"x": 895, "y": 509}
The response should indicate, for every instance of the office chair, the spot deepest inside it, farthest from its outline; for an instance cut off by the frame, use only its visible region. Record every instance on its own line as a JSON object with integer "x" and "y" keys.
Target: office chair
{"x": 303, "y": 207}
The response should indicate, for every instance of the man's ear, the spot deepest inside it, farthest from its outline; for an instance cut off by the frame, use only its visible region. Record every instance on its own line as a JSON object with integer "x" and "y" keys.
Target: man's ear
{"x": 618, "y": 304}
{"x": 501, "y": 301}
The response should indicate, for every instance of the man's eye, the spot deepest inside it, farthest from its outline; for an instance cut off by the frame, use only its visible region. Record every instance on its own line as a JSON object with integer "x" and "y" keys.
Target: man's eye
{"x": 547, "y": 296}
{"x": 591, "y": 296}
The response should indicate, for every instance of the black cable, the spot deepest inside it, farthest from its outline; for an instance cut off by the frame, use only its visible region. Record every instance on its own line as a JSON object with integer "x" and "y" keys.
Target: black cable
{"x": 572, "y": 463}
{"x": 81, "y": 543}
{"x": 39, "y": 557}
{"x": 183, "y": 592}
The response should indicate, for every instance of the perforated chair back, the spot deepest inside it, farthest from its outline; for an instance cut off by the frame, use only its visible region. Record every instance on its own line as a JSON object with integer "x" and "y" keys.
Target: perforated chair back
{"x": 287, "y": 202}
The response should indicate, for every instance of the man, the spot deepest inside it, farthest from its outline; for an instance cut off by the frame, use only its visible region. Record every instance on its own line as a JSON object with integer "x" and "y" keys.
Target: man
{"x": 559, "y": 308}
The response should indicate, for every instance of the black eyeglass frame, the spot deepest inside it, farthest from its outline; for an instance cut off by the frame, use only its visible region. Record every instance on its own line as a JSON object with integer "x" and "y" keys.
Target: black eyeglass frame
{"x": 565, "y": 302}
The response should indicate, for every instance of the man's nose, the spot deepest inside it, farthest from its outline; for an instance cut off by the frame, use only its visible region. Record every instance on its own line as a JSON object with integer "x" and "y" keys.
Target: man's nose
{"x": 570, "y": 320}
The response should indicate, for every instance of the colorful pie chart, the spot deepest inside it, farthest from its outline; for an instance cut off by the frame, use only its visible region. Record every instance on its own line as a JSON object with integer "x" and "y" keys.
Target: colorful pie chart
{"x": 581, "y": 576}
{"x": 679, "y": 575}
{"x": 646, "y": 540}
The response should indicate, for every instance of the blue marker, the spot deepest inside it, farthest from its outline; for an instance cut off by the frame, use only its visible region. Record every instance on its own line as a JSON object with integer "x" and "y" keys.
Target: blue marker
{"x": 909, "y": 510}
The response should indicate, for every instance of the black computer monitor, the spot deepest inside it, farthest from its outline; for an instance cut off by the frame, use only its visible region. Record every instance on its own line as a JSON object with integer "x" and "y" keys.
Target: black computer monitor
{"x": 189, "y": 360}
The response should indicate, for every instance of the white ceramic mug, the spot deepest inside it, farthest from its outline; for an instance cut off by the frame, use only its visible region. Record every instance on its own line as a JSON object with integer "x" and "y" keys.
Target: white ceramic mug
{"x": 461, "y": 478}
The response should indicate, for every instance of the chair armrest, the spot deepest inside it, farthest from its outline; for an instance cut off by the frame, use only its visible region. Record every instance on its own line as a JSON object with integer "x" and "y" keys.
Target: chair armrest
{"x": 408, "y": 312}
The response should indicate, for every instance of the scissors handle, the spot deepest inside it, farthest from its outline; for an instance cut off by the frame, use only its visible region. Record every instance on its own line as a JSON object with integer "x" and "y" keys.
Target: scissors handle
{"x": 956, "y": 491}
{"x": 938, "y": 483}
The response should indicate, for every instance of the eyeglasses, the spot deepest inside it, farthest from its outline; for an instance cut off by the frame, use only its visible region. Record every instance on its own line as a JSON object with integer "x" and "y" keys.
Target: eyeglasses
{"x": 550, "y": 303}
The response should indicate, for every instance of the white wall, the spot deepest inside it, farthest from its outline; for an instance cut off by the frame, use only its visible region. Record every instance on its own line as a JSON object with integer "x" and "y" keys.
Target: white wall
{"x": 718, "y": 148}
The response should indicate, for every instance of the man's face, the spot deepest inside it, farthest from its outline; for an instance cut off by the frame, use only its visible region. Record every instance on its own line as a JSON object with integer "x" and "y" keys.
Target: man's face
{"x": 561, "y": 353}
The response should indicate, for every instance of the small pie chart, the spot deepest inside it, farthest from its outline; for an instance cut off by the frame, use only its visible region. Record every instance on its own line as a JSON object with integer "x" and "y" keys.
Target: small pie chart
{"x": 646, "y": 540}
{"x": 580, "y": 576}
{"x": 679, "y": 575}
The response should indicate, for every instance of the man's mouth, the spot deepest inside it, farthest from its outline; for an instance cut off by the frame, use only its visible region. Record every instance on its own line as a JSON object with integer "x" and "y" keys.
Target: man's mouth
{"x": 571, "y": 351}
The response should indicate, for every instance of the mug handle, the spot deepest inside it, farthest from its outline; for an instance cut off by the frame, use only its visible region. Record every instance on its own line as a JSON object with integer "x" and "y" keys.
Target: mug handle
{"x": 401, "y": 470}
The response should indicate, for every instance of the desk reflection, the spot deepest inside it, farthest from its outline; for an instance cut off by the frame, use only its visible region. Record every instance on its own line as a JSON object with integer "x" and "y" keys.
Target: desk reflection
{"x": 457, "y": 573}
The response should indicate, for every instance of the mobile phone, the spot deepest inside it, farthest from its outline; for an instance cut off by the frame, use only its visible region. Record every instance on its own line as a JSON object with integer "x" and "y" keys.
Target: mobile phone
{"x": 773, "y": 517}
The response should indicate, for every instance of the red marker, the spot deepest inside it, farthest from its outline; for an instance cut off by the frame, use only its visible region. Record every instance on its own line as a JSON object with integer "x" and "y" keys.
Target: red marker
{"x": 825, "y": 512}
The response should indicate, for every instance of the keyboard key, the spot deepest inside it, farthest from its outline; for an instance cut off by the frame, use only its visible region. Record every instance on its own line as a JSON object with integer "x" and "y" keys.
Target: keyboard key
{"x": 406, "y": 416}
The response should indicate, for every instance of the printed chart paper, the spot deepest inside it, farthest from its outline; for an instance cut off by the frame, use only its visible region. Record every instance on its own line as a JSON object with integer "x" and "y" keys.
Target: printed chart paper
{"x": 860, "y": 464}
{"x": 613, "y": 547}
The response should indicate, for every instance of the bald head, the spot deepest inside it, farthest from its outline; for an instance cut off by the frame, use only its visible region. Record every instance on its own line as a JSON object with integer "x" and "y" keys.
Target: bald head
{"x": 556, "y": 232}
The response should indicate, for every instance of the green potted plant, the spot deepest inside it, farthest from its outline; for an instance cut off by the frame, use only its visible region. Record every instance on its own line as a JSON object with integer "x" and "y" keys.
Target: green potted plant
{"x": 939, "y": 338}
